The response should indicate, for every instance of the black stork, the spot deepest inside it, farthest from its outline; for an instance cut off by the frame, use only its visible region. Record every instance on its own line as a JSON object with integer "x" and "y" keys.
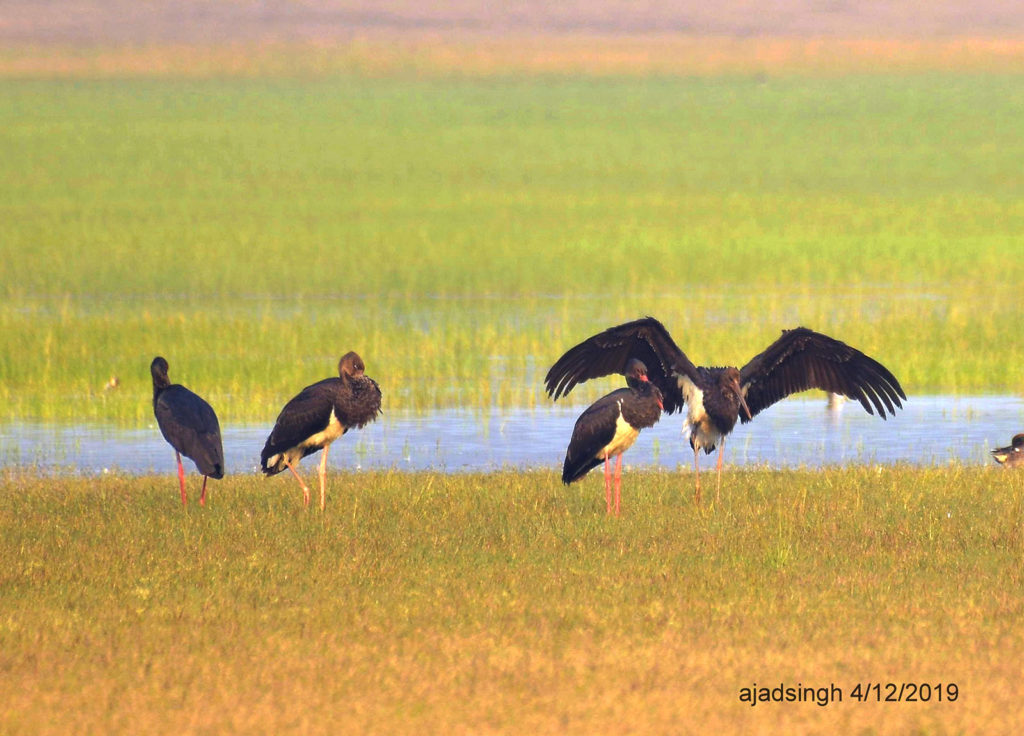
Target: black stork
{"x": 609, "y": 427}
{"x": 190, "y": 425}
{"x": 317, "y": 416}
{"x": 799, "y": 360}
{"x": 1012, "y": 455}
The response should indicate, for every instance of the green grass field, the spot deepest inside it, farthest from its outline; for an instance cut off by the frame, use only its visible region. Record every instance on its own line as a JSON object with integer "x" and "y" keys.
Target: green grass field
{"x": 505, "y": 602}
{"x": 461, "y": 233}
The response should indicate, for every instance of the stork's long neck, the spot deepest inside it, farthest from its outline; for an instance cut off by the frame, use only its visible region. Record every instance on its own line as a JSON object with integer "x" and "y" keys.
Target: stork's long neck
{"x": 160, "y": 384}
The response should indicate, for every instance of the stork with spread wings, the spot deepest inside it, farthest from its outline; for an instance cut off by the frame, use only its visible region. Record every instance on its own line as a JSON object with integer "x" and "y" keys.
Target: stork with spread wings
{"x": 799, "y": 360}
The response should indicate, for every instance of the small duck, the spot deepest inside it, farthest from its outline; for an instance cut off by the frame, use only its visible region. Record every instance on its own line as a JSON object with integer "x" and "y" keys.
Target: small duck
{"x": 1013, "y": 455}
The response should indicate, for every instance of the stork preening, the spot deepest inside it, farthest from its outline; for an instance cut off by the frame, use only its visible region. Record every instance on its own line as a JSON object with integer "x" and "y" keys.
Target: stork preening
{"x": 318, "y": 415}
{"x": 1011, "y": 456}
{"x": 190, "y": 425}
{"x": 609, "y": 427}
{"x": 799, "y": 360}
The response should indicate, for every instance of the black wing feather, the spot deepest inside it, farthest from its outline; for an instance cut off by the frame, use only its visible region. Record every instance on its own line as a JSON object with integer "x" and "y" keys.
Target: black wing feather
{"x": 608, "y": 352}
{"x": 803, "y": 359}
{"x": 302, "y": 417}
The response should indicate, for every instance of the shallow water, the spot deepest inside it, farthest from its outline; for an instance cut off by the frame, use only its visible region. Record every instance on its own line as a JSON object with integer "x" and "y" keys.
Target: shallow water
{"x": 931, "y": 430}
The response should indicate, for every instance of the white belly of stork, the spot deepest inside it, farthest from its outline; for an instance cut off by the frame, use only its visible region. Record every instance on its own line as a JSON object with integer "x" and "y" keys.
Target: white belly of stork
{"x": 698, "y": 427}
{"x": 331, "y": 432}
{"x": 323, "y": 438}
{"x": 625, "y": 436}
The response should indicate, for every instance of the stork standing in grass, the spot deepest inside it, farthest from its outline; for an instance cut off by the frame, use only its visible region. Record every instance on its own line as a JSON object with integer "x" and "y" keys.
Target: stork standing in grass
{"x": 799, "y": 360}
{"x": 318, "y": 415}
{"x": 609, "y": 427}
{"x": 190, "y": 425}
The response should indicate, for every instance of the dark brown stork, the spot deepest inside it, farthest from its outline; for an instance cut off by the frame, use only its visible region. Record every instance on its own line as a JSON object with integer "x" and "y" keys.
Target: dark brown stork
{"x": 799, "y": 360}
{"x": 609, "y": 427}
{"x": 190, "y": 425}
{"x": 1011, "y": 456}
{"x": 317, "y": 416}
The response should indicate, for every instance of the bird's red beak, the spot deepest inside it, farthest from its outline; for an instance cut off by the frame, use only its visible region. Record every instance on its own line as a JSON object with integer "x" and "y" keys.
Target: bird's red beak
{"x": 743, "y": 400}
{"x": 743, "y": 403}
{"x": 648, "y": 380}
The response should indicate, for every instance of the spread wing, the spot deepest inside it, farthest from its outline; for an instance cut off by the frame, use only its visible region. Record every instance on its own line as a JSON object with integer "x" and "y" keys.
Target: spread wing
{"x": 803, "y": 359}
{"x": 606, "y": 353}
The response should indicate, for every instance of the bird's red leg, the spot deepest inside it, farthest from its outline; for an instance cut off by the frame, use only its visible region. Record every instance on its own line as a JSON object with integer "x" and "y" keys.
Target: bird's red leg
{"x": 696, "y": 469}
{"x": 721, "y": 457}
{"x": 323, "y": 478}
{"x": 181, "y": 478}
{"x": 305, "y": 488}
{"x": 607, "y": 486}
{"x": 618, "y": 483}
{"x": 202, "y": 496}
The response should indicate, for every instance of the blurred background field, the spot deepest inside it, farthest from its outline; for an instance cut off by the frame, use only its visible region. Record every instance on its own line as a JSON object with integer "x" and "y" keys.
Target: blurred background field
{"x": 461, "y": 191}
{"x": 460, "y": 233}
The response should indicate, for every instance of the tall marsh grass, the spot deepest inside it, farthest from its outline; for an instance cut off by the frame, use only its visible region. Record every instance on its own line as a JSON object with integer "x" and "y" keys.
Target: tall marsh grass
{"x": 461, "y": 233}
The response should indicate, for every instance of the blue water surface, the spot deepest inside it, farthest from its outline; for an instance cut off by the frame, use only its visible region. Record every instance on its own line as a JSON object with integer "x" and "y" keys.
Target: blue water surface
{"x": 931, "y": 430}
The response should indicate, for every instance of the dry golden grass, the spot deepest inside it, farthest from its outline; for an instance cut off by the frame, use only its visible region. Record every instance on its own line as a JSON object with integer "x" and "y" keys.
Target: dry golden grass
{"x": 546, "y": 54}
{"x": 492, "y": 683}
{"x": 507, "y": 603}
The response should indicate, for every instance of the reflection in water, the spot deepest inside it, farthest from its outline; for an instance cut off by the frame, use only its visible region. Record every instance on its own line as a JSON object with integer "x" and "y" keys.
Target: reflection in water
{"x": 931, "y": 430}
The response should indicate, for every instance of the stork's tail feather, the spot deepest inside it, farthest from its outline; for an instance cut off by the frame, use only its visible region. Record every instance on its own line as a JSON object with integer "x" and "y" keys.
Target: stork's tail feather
{"x": 272, "y": 464}
{"x": 573, "y": 470}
